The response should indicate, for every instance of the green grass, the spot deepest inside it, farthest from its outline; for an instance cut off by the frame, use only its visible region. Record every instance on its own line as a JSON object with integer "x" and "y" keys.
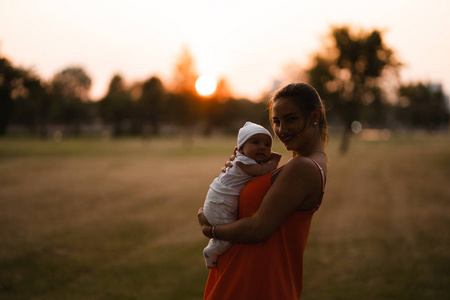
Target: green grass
{"x": 116, "y": 219}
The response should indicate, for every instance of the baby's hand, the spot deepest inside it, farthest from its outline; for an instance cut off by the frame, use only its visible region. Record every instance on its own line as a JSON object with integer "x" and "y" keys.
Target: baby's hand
{"x": 275, "y": 156}
{"x": 273, "y": 162}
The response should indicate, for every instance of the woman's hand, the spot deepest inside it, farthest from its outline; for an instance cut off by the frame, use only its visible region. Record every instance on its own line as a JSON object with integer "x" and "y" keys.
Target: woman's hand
{"x": 204, "y": 224}
{"x": 229, "y": 164}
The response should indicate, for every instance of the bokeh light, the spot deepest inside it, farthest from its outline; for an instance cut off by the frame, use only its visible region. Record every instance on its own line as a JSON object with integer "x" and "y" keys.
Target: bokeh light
{"x": 356, "y": 127}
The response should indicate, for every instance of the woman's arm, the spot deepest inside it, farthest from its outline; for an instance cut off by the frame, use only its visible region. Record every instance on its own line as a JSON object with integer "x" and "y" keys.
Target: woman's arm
{"x": 294, "y": 185}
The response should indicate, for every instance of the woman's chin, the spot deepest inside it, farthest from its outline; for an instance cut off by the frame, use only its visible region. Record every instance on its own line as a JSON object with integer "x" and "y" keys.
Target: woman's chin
{"x": 288, "y": 146}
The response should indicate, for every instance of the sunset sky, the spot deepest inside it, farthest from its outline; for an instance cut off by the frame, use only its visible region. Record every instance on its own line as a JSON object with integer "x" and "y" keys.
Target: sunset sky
{"x": 250, "y": 43}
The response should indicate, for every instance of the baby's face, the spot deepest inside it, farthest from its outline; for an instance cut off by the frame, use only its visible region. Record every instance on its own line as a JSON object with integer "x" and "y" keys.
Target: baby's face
{"x": 258, "y": 147}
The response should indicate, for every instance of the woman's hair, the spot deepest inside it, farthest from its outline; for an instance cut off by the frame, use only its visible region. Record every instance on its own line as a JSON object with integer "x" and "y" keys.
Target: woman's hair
{"x": 308, "y": 100}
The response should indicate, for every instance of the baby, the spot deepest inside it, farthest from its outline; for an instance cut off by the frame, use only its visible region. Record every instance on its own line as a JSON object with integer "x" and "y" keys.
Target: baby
{"x": 221, "y": 204}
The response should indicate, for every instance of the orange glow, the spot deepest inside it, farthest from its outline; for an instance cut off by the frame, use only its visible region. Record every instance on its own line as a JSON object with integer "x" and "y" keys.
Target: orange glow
{"x": 205, "y": 85}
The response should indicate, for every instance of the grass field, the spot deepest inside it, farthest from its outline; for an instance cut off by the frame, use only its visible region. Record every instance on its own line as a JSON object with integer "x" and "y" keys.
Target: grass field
{"x": 106, "y": 219}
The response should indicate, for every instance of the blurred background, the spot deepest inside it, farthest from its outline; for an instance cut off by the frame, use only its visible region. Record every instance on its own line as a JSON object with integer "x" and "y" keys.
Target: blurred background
{"x": 115, "y": 117}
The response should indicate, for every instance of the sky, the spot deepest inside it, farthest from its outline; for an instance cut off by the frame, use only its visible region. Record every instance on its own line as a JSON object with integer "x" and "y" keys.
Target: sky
{"x": 250, "y": 43}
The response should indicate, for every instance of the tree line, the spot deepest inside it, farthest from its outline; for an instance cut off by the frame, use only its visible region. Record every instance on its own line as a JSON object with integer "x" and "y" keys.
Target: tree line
{"x": 355, "y": 73}
{"x": 141, "y": 108}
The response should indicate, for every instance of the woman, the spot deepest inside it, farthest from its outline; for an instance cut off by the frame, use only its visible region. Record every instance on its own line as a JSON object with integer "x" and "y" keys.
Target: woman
{"x": 275, "y": 210}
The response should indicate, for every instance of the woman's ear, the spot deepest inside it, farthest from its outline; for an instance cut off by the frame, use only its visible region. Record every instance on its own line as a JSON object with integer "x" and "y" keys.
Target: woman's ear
{"x": 317, "y": 116}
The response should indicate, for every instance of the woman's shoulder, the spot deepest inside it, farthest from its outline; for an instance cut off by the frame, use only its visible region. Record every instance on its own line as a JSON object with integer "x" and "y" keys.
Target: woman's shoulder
{"x": 300, "y": 167}
{"x": 301, "y": 163}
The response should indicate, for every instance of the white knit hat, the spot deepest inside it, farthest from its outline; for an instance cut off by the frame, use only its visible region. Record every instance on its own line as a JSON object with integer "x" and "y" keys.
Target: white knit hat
{"x": 248, "y": 130}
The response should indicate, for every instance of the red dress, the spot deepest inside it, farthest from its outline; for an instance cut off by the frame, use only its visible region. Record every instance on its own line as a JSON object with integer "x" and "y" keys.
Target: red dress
{"x": 268, "y": 270}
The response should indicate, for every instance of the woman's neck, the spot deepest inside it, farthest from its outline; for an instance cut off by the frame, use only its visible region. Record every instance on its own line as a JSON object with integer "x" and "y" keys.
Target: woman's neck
{"x": 316, "y": 147}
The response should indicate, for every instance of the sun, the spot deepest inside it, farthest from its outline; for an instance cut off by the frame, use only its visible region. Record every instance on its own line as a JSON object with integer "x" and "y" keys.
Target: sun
{"x": 205, "y": 85}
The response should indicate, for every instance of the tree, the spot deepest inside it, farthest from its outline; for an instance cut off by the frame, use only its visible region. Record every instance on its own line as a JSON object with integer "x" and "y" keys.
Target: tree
{"x": 223, "y": 91}
{"x": 11, "y": 84}
{"x": 348, "y": 76}
{"x": 116, "y": 106}
{"x": 69, "y": 90}
{"x": 185, "y": 110}
{"x": 32, "y": 106}
{"x": 422, "y": 106}
{"x": 150, "y": 104}
{"x": 185, "y": 74}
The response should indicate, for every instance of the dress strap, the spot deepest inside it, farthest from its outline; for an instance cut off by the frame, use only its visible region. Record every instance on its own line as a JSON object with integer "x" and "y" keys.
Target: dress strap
{"x": 322, "y": 176}
{"x": 275, "y": 173}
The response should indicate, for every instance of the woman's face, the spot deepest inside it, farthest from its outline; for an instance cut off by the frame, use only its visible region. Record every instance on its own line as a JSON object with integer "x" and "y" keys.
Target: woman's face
{"x": 289, "y": 125}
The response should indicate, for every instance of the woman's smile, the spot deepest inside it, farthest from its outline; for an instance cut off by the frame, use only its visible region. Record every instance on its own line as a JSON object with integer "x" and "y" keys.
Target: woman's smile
{"x": 286, "y": 139}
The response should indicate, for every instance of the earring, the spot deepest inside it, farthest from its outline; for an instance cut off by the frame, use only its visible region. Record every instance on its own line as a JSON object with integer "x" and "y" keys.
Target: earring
{"x": 315, "y": 123}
